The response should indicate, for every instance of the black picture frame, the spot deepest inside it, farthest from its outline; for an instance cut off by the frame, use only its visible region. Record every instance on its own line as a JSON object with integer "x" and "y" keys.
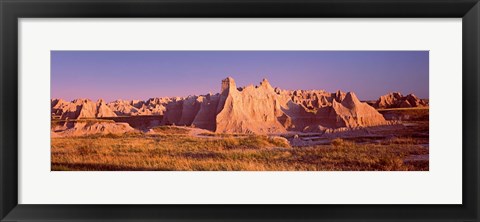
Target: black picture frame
{"x": 12, "y": 10}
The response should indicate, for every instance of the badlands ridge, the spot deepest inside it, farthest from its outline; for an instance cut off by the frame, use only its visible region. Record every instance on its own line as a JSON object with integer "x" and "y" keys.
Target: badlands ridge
{"x": 252, "y": 109}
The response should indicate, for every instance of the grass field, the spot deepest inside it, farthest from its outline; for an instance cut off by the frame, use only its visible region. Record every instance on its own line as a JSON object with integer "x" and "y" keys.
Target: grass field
{"x": 410, "y": 114}
{"x": 173, "y": 149}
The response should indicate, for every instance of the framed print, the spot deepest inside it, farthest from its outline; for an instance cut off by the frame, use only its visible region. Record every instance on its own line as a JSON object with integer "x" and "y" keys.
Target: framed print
{"x": 269, "y": 110}
{"x": 249, "y": 128}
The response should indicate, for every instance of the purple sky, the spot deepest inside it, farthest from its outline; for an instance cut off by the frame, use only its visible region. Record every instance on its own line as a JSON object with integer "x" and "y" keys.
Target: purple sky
{"x": 144, "y": 74}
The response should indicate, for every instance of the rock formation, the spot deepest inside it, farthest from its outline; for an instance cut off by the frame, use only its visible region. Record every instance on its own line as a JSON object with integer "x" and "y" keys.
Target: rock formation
{"x": 153, "y": 106}
{"x": 352, "y": 113}
{"x": 251, "y": 109}
{"x": 81, "y": 109}
{"x": 103, "y": 110}
{"x": 85, "y": 108}
{"x": 263, "y": 109}
{"x": 57, "y": 106}
{"x": 207, "y": 114}
{"x": 397, "y": 100}
{"x": 91, "y": 127}
{"x": 123, "y": 107}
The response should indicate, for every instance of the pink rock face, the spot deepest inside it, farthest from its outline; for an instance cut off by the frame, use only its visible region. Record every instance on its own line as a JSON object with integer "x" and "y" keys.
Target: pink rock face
{"x": 264, "y": 109}
{"x": 103, "y": 110}
{"x": 397, "y": 100}
{"x": 153, "y": 106}
{"x": 352, "y": 113}
{"x": 81, "y": 109}
{"x": 58, "y": 105}
{"x": 90, "y": 128}
{"x": 252, "y": 109}
{"x": 123, "y": 108}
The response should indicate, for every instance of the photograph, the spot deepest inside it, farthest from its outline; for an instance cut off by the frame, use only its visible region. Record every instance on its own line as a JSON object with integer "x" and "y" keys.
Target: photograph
{"x": 264, "y": 110}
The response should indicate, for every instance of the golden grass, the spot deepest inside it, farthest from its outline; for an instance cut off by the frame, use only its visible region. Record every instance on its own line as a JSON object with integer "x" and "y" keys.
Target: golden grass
{"x": 413, "y": 114}
{"x": 170, "y": 130}
{"x": 179, "y": 152}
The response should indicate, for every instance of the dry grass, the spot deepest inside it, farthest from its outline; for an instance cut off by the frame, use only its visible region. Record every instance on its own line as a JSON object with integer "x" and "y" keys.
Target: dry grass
{"x": 413, "y": 114}
{"x": 222, "y": 134}
{"x": 173, "y": 150}
{"x": 170, "y": 130}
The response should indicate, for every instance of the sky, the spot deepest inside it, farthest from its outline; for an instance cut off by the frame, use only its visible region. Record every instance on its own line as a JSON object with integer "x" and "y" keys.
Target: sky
{"x": 141, "y": 75}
